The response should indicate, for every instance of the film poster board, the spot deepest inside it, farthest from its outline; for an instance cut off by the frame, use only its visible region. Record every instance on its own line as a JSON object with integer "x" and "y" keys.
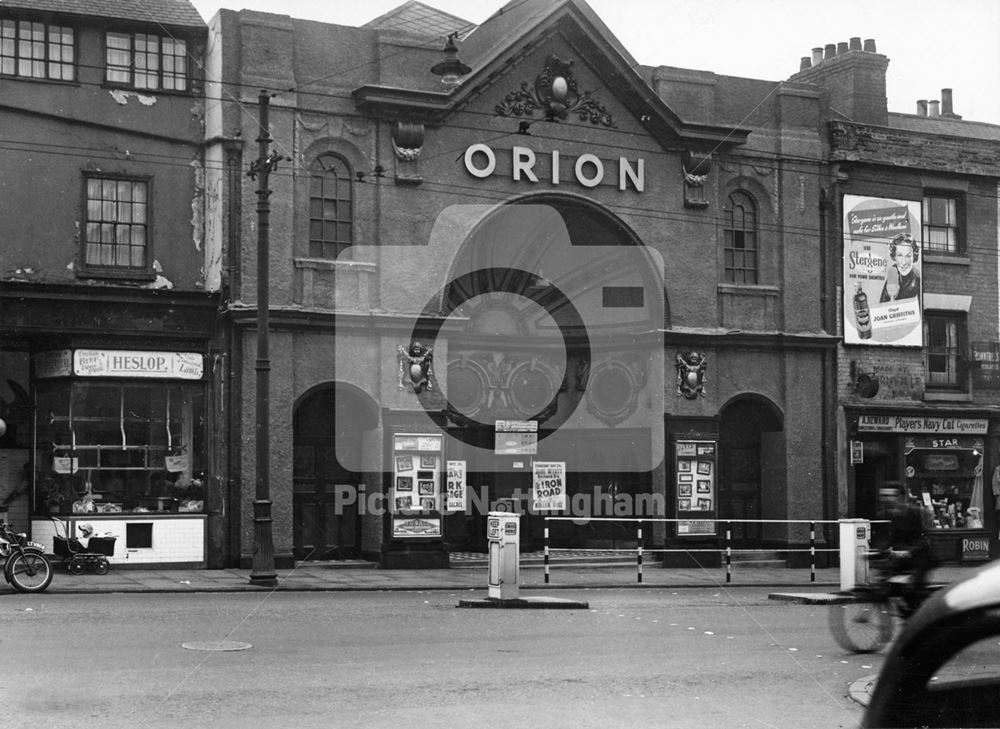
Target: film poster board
{"x": 455, "y": 497}
{"x": 548, "y": 485}
{"x": 695, "y": 481}
{"x": 415, "y": 494}
{"x": 882, "y": 293}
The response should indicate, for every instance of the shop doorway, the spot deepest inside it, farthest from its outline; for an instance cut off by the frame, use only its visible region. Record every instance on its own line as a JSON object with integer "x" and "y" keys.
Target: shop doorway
{"x": 744, "y": 439}
{"x": 326, "y": 518}
{"x": 875, "y": 472}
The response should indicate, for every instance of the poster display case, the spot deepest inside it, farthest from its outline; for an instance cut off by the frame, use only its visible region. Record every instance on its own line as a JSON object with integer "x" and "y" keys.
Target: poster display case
{"x": 696, "y": 487}
{"x": 416, "y": 485}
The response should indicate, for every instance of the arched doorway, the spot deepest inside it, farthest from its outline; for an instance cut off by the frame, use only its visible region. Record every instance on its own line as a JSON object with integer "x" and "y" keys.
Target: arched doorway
{"x": 557, "y": 307}
{"x": 748, "y": 432}
{"x": 326, "y": 522}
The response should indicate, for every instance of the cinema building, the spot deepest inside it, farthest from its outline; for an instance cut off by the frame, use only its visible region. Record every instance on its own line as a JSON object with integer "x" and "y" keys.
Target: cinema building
{"x": 512, "y": 268}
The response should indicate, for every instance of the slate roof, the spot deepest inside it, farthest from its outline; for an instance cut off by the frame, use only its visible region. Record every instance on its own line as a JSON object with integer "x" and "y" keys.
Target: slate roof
{"x": 415, "y": 17}
{"x": 161, "y": 12}
{"x": 944, "y": 126}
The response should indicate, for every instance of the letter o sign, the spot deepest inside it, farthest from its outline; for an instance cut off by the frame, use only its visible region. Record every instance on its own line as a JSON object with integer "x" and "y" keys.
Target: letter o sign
{"x": 585, "y": 159}
{"x": 491, "y": 160}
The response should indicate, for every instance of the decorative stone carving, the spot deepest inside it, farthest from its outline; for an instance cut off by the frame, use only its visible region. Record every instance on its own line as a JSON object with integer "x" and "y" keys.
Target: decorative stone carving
{"x": 483, "y": 387}
{"x": 691, "y": 367}
{"x": 555, "y": 94}
{"x": 613, "y": 389}
{"x": 416, "y": 367}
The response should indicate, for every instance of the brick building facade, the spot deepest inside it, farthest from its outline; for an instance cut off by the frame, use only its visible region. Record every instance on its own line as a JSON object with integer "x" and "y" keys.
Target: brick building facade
{"x": 917, "y": 400}
{"x": 109, "y": 345}
{"x": 397, "y": 188}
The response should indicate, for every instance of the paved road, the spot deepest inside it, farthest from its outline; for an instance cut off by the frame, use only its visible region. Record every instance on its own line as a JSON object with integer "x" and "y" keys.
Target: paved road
{"x": 636, "y": 658}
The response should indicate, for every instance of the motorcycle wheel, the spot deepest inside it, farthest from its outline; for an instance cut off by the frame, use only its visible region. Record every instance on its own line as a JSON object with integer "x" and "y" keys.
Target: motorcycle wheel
{"x": 102, "y": 567}
{"x": 28, "y": 572}
{"x": 861, "y": 626}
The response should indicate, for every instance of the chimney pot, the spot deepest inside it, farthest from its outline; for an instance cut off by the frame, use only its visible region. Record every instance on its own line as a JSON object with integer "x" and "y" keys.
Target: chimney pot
{"x": 805, "y": 63}
{"x": 841, "y": 48}
{"x": 870, "y": 45}
{"x": 922, "y": 107}
{"x": 934, "y": 108}
{"x": 830, "y": 51}
{"x": 817, "y": 55}
{"x": 946, "y": 109}
{"x": 855, "y": 44}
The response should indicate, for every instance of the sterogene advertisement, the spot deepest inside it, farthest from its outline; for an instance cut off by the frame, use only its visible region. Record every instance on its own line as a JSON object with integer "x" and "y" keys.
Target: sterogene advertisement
{"x": 882, "y": 287}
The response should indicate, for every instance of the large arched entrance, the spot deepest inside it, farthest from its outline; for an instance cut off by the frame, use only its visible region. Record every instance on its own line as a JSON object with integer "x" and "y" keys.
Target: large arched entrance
{"x": 558, "y": 309}
{"x": 327, "y": 431}
{"x": 749, "y": 432}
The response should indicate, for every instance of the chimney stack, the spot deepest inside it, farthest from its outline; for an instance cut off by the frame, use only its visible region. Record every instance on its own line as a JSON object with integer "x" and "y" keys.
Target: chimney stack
{"x": 921, "y": 107}
{"x": 935, "y": 108}
{"x": 855, "y": 83}
{"x": 946, "y": 109}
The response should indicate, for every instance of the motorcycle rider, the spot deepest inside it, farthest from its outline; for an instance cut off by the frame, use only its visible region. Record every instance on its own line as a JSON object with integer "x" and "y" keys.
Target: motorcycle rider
{"x": 903, "y": 539}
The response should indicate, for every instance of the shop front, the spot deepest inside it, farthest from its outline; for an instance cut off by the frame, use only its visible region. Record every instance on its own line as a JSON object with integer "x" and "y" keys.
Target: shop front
{"x": 940, "y": 459}
{"x": 120, "y": 444}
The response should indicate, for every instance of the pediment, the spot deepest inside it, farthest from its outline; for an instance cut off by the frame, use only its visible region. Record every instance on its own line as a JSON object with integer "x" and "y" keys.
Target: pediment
{"x": 557, "y": 63}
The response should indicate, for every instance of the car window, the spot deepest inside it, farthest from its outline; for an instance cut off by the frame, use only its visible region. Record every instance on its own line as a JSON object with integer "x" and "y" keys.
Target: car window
{"x": 978, "y": 661}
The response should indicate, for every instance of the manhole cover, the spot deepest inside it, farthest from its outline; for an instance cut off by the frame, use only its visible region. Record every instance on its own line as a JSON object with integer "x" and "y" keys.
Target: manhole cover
{"x": 215, "y": 645}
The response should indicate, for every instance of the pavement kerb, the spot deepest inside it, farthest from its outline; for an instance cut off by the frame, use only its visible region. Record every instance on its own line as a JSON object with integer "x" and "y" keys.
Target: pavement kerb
{"x": 860, "y": 691}
{"x": 788, "y": 585}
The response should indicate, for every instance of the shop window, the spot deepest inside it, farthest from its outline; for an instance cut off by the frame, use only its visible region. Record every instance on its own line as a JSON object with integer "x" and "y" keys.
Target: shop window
{"x": 331, "y": 206}
{"x": 944, "y": 335}
{"x": 145, "y": 61}
{"x": 740, "y": 252}
{"x": 110, "y": 447}
{"x": 117, "y": 226}
{"x": 949, "y": 485}
{"x": 36, "y": 50}
{"x": 941, "y": 229}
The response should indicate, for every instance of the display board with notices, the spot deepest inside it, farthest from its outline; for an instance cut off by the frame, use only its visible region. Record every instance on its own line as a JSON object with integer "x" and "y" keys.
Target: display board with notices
{"x": 695, "y": 484}
{"x": 416, "y": 485}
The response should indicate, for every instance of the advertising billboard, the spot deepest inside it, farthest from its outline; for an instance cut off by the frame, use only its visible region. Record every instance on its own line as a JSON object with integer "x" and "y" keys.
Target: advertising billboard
{"x": 882, "y": 283}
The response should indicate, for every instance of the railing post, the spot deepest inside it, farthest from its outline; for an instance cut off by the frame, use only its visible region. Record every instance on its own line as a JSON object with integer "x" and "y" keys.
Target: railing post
{"x": 638, "y": 536}
{"x": 812, "y": 551}
{"x": 729, "y": 552}
{"x": 546, "y": 550}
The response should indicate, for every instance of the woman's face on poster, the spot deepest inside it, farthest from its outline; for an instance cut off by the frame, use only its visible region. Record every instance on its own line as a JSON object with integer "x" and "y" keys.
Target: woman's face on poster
{"x": 904, "y": 259}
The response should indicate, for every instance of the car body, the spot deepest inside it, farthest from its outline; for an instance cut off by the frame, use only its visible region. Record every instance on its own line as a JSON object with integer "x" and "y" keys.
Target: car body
{"x": 952, "y": 624}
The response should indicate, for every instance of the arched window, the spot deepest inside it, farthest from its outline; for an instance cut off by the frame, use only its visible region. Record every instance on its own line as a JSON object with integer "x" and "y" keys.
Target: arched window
{"x": 331, "y": 206}
{"x": 740, "y": 256}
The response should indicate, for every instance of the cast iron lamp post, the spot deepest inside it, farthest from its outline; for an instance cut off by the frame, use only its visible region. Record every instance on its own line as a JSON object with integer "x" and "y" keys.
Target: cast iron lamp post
{"x": 262, "y": 572}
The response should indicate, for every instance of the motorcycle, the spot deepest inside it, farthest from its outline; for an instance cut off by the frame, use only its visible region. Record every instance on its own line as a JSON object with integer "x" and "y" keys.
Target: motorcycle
{"x": 26, "y": 567}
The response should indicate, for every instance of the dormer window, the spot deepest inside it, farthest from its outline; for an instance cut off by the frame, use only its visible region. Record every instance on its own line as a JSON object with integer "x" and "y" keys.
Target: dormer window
{"x": 36, "y": 50}
{"x": 146, "y": 61}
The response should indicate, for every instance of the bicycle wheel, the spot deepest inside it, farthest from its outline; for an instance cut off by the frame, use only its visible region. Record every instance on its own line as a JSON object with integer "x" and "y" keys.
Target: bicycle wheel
{"x": 862, "y": 626}
{"x": 28, "y": 572}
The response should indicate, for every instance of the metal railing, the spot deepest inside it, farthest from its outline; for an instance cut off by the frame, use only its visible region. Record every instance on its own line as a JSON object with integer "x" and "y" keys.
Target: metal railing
{"x": 726, "y": 550}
